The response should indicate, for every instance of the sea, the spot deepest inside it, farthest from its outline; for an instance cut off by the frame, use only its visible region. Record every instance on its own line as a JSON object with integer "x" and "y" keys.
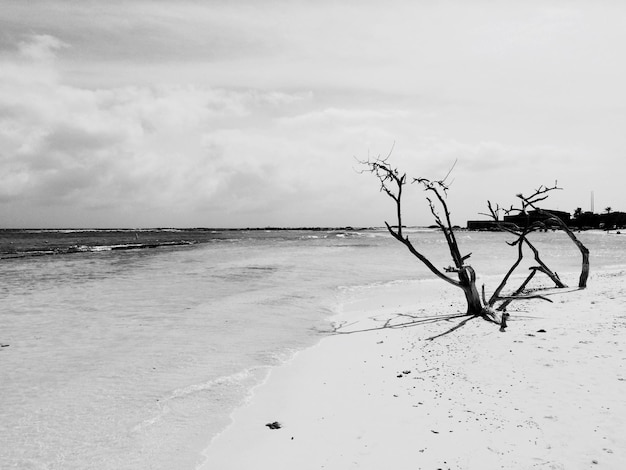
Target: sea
{"x": 130, "y": 349}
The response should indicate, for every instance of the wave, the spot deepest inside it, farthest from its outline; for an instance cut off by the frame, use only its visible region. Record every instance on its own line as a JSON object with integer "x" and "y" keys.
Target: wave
{"x": 92, "y": 249}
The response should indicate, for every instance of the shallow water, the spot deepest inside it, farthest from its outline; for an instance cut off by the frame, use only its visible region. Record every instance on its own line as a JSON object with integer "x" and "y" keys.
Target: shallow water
{"x": 135, "y": 359}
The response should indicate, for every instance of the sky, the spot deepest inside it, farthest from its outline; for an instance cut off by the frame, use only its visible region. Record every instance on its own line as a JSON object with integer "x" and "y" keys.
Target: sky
{"x": 253, "y": 113}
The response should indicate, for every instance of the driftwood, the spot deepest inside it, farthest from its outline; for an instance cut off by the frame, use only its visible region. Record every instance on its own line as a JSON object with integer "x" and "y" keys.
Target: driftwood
{"x": 549, "y": 219}
{"x": 392, "y": 183}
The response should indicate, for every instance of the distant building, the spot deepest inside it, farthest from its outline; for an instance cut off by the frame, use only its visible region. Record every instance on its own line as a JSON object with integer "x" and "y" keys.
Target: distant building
{"x": 519, "y": 220}
{"x": 581, "y": 221}
{"x": 529, "y": 218}
{"x": 613, "y": 220}
{"x": 607, "y": 221}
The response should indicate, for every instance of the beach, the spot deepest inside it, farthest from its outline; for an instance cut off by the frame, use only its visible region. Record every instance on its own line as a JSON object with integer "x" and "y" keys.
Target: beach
{"x": 547, "y": 393}
{"x": 232, "y": 235}
{"x": 179, "y": 356}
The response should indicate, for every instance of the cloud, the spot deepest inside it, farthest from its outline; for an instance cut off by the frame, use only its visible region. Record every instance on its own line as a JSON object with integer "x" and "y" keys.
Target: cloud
{"x": 155, "y": 151}
{"x": 63, "y": 142}
{"x": 333, "y": 115}
{"x": 41, "y": 47}
{"x": 495, "y": 157}
{"x": 137, "y": 115}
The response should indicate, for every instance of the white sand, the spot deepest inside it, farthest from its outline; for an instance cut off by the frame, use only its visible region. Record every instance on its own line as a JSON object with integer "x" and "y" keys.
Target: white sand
{"x": 473, "y": 399}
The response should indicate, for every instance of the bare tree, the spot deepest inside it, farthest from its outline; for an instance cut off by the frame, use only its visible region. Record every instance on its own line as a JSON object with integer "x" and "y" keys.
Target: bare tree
{"x": 548, "y": 219}
{"x": 392, "y": 182}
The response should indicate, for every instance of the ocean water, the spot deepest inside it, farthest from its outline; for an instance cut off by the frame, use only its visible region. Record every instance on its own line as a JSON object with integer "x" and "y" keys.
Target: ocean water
{"x": 134, "y": 359}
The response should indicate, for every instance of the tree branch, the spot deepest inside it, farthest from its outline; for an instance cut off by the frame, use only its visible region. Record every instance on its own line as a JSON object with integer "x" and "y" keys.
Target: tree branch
{"x": 406, "y": 242}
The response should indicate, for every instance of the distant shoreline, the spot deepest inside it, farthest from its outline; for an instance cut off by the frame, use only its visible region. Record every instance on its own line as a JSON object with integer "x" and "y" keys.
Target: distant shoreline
{"x": 24, "y": 243}
{"x": 186, "y": 229}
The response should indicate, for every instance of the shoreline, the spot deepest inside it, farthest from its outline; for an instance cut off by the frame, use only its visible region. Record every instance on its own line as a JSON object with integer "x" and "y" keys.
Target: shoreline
{"x": 475, "y": 398}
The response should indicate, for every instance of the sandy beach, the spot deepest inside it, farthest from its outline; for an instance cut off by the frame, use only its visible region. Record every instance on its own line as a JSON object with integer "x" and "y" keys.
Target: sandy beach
{"x": 546, "y": 394}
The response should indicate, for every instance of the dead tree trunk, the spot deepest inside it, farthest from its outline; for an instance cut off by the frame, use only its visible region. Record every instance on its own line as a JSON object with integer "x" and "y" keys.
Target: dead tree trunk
{"x": 467, "y": 279}
{"x": 584, "y": 251}
{"x": 392, "y": 183}
{"x": 522, "y": 234}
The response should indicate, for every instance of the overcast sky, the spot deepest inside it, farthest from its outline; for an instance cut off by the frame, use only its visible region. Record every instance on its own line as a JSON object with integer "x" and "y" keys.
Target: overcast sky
{"x": 250, "y": 113}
